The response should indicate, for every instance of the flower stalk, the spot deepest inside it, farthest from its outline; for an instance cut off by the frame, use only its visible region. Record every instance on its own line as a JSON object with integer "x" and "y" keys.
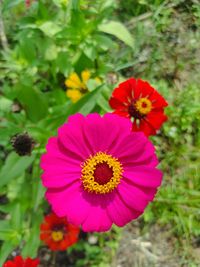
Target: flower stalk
{"x": 3, "y": 37}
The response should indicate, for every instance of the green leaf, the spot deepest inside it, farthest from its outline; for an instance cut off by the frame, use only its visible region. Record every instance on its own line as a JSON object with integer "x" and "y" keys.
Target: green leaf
{"x": 5, "y": 104}
{"x": 6, "y": 249}
{"x": 90, "y": 52}
{"x": 49, "y": 28}
{"x": 7, "y": 232}
{"x": 14, "y": 167}
{"x": 62, "y": 61}
{"x": 16, "y": 217}
{"x": 33, "y": 101}
{"x": 27, "y": 49}
{"x": 86, "y": 104}
{"x": 33, "y": 241}
{"x": 51, "y": 52}
{"x": 4, "y": 225}
{"x": 37, "y": 188}
{"x": 103, "y": 103}
{"x": 74, "y": 4}
{"x": 104, "y": 42}
{"x": 118, "y": 30}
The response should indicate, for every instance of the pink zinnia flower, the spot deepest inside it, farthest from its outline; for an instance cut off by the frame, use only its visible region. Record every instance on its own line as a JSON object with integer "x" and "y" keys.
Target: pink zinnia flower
{"x": 97, "y": 172}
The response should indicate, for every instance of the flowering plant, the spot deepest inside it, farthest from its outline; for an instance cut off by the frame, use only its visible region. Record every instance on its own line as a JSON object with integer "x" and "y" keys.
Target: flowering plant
{"x": 99, "y": 169}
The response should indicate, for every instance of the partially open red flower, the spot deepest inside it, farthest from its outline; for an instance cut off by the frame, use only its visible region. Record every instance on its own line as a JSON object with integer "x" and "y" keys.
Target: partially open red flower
{"x": 139, "y": 101}
{"x": 20, "y": 262}
{"x": 57, "y": 233}
{"x": 28, "y": 3}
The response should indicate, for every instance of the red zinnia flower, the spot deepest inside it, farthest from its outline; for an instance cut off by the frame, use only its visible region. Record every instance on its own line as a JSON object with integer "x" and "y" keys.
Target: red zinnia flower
{"x": 57, "y": 233}
{"x": 20, "y": 262}
{"x": 140, "y": 102}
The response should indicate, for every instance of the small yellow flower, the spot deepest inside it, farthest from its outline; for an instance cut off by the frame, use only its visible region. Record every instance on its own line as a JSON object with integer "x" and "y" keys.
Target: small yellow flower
{"x": 74, "y": 82}
{"x": 76, "y": 86}
{"x": 85, "y": 75}
{"x": 74, "y": 94}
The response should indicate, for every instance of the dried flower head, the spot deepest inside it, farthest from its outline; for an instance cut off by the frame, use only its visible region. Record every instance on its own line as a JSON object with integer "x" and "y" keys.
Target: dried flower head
{"x": 22, "y": 144}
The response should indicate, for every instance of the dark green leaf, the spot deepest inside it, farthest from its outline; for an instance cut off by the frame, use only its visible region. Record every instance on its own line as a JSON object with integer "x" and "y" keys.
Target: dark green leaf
{"x": 27, "y": 49}
{"x": 86, "y": 103}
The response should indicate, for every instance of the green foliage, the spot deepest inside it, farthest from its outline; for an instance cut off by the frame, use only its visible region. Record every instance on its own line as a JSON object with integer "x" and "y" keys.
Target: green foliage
{"x": 14, "y": 167}
{"x": 45, "y": 46}
{"x": 119, "y": 30}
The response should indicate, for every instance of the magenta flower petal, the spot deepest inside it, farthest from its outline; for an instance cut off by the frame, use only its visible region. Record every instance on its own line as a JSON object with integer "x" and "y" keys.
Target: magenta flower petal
{"x": 98, "y": 173}
{"x": 134, "y": 197}
{"x": 63, "y": 201}
{"x": 70, "y": 136}
{"x": 119, "y": 213}
{"x": 56, "y": 180}
{"x": 115, "y": 133}
{"x": 132, "y": 144}
{"x": 143, "y": 153}
{"x": 98, "y": 218}
{"x": 144, "y": 176}
{"x": 55, "y": 151}
{"x": 60, "y": 169}
{"x": 150, "y": 192}
{"x": 93, "y": 125}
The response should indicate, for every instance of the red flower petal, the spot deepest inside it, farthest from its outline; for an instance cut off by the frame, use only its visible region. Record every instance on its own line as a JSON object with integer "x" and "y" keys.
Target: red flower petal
{"x": 31, "y": 263}
{"x": 45, "y": 227}
{"x": 156, "y": 118}
{"x": 157, "y": 100}
{"x": 9, "y": 264}
{"x": 125, "y": 91}
{"x": 45, "y": 236}
{"x": 122, "y": 113}
{"x": 143, "y": 89}
{"x": 116, "y": 104}
{"x": 20, "y": 262}
{"x": 144, "y": 127}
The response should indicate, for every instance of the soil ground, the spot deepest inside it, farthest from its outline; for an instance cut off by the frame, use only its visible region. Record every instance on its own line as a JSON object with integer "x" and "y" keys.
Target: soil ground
{"x": 157, "y": 248}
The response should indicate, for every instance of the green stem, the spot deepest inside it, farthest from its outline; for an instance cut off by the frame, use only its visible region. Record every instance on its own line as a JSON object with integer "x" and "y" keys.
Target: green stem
{"x": 54, "y": 258}
{"x": 3, "y": 37}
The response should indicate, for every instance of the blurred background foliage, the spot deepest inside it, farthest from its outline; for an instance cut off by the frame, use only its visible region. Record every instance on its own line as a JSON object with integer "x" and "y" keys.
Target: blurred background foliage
{"x": 41, "y": 46}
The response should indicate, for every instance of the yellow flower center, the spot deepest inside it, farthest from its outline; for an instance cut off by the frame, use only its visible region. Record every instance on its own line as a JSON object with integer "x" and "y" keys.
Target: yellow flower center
{"x": 143, "y": 105}
{"x": 101, "y": 173}
{"x": 57, "y": 236}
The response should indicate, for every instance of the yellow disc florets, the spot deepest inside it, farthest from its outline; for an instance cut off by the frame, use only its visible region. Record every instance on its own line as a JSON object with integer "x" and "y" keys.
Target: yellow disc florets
{"x": 143, "y": 105}
{"x": 57, "y": 236}
{"x": 101, "y": 173}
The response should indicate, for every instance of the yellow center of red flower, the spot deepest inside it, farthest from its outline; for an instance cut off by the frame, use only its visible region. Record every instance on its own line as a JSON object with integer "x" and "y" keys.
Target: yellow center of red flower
{"x": 57, "y": 236}
{"x": 101, "y": 173}
{"x": 143, "y": 105}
